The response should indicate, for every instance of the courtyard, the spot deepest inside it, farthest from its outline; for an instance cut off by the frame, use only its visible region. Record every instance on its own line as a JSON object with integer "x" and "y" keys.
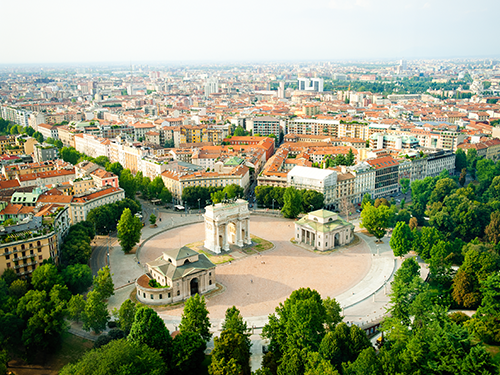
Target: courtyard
{"x": 257, "y": 283}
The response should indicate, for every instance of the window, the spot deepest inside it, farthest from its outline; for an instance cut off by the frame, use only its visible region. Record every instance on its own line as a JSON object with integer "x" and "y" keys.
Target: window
{"x": 168, "y": 295}
{"x": 209, "y": 282}
{"x": 8, "y": 265}
{"x": 144, "y": 295}
{"x": 178, "y": 292}
{"x": 160, "y": 296}
{"x": 40, "y": 257}
{"x": 7, "y": 257}
{"x": 39, "y": 250}
{"x": 152, "y": 297}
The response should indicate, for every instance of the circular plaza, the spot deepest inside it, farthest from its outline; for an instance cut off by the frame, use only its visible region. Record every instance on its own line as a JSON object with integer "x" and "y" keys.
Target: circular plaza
{"x": 257, "y": 283}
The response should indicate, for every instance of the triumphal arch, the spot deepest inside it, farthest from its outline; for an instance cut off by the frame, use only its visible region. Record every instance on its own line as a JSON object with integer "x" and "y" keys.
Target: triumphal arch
{"x": 227, "y": 223}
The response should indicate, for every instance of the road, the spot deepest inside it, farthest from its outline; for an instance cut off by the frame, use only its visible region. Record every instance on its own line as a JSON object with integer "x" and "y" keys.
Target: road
{"x": 98, "y": 259}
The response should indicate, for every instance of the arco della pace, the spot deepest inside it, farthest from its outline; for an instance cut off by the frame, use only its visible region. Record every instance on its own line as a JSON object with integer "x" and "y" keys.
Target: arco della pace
{"x": 227, "y": 223}
{"x": 181, "y": 273}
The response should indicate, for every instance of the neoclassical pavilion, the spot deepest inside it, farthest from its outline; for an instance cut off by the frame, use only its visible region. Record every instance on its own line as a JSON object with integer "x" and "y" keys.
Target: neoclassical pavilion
{"x": 180, "y": 274}
{"x": 227, "y": 223}
{"x": 323, "y": 230}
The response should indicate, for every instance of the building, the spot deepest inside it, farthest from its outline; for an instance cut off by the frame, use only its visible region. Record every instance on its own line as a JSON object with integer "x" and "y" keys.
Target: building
{"x": 48, "y": 131}
{"x": 313, "y": 127}
{"x": 23, "y": 247}
{"x": 44, "y": 152}
{"x": 386, "y": 176}
{"x": 323, "y": 230}
{"x": 265, "y": 126}
{"x": 313, "y": 84}
{"x": 323, "y": 181}
{"x": 46, "y": 178}
{"x": 81, "y": 205}
{"x": 211, "y": 87}
{"x": 181, "y": 273}
{"x": 103, "y": 178}
{"x": 177, "y": 181}
{"x": 396, "y": 142}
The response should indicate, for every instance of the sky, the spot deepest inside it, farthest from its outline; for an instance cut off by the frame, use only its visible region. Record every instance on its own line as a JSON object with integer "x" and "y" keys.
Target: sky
{"x": 68, "y": 31}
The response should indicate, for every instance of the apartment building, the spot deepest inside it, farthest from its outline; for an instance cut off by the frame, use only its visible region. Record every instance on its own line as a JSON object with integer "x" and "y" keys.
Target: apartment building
{"x": 323, "y": 181}
{"x": 46, "y": 178}
{"x": 66, "y": 136}
{"x": 318, "y": 127}
{"x": 48, "y": 131}
{"x": 265, "y": 126}
{"x": 386, "y": 176}
{"x": 364, "y": 181}
{"x": 176, "y": 182}
{"x": 81, "y": 205}
{"x": 26, "y": 245}
{"x": 92, "y": 146}
{"x": 395, "y": 142}
{"x": 45, "y": 152}
{"x": 438, "y": 161}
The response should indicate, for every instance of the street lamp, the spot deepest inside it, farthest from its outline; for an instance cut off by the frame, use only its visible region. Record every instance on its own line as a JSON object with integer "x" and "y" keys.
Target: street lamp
{"x": 311, "y": 207}
{"x": 199, "y": 204}
{"x": 273, "y": 204}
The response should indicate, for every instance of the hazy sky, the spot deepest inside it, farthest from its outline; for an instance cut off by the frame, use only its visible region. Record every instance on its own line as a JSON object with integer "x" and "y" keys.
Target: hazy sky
{"x": 35, "y": 31}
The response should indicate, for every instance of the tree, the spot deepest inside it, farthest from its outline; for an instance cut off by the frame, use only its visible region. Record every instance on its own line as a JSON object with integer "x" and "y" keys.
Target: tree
{"x": 463, "y": 177}
{"x": 128, "y": 183}
{"x": 115, "y": 168}
{"x": 120, "y": 357}
{"x": 95, "y": 316}
{"x": 332, "y": 313}
{"x": 9, "y": 276}
{"x": 187, "y": 353}
{"x": 152, "y": 219}
{"x": 165, "y": 196}
{"x": 492, "y": 231}
{"x": 155, "y": 187}
{"x": 494, "y": 188}
{"x": 129, "y": 230}
{"x": 44, "y": 315}
{"x": 102, "y": 160}
{"x": 413, "y": 223}
{"x": 45, "y": 277}
{"x": 77, "y": 277}
{"x": 312, "y": 198}
{"x": 405, "y": 185}
{"x": 18, "y": 288}
{"x": 350, "y": 158}
{"x": 230, "y": 352}
{"x": 401, "y": 239}
{"x": 485, "y": 324}
{"x": 376, "y": 220}
{"x": 126, "y": 315}
{"x": 297, "y": 327}
{"x": 239, "y": 132}
{"x": 234, "y": 322}
{"x": 103, "y": 283}
{"x": 292, "y": 203}
{"x": 366, "y": 199}
{"x": 68, "y": 154}
{"x": 444, "y": 187}
{"x": 195, "y": 317}
{"x": 76, "y": 307}
{"x": 460, "y": 160}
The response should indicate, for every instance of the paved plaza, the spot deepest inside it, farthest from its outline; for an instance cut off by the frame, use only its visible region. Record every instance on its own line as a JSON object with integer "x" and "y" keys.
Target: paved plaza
{"x": 256, "y": 284}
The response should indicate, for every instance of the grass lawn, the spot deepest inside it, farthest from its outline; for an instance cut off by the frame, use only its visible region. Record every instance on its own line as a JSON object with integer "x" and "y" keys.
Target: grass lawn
{"x": 258, "y": 245}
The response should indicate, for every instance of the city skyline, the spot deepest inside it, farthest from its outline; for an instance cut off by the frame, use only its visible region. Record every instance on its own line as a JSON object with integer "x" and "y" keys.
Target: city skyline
{"x": 223, "y": 31}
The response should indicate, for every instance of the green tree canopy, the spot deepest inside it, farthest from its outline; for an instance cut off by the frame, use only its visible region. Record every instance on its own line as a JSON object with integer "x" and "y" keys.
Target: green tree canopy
{"x": 292, "y": 203}
{"x": 149, "y": 329}
{"x": 77, "y": 277}
{"x": 120, "y": 357}
{"x": 95, "y": 316}
{"x": 195, "y": 317}
{"x": 401, "y": 239}
{"x": 376, "y": 220}
{"x": 103, "y": 283}
{"x": 129, "y": 230}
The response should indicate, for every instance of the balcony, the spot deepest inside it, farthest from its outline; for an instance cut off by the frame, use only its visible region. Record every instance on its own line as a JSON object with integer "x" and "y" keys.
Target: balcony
{"x": 25, "y": 265}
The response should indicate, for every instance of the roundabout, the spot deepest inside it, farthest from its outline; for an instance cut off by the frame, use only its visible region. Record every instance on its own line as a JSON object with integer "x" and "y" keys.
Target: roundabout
{"x": 256, "y": 284}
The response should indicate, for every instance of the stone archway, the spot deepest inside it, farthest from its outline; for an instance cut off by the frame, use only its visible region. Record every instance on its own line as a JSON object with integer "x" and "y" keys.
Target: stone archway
{"x": 226, "y": 223}
{"x": 193, "y": 286}
{"x": 336, "y": 240}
